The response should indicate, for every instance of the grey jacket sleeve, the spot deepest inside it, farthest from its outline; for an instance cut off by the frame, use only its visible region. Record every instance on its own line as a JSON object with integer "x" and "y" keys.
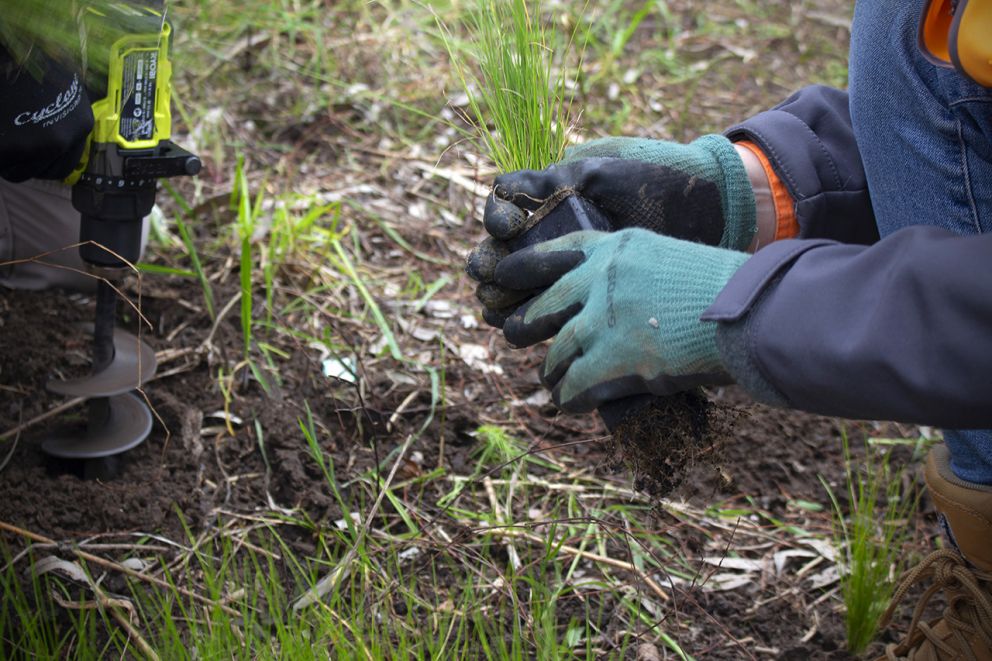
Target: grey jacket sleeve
{"x": 900, "y": 330}
{"x": 810, "y": 143}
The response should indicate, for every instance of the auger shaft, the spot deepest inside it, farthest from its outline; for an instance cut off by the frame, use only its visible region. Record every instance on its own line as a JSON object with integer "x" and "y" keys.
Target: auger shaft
{"x": 103, "y": 326}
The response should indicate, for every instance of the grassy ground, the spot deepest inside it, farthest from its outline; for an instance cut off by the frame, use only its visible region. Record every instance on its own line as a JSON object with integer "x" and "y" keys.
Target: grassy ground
{"x": 437, "y": 508}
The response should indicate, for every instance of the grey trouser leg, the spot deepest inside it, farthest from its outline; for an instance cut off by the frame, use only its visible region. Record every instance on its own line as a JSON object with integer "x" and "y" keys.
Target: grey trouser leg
{"x": 37, "y": 226}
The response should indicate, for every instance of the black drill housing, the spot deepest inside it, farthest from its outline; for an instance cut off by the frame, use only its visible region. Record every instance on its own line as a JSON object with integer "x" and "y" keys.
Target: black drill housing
{"x": 113, "y": 203}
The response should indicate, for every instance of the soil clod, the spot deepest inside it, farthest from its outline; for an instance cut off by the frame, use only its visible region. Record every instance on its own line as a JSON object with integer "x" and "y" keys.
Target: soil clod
{"x": 664, "y": 440}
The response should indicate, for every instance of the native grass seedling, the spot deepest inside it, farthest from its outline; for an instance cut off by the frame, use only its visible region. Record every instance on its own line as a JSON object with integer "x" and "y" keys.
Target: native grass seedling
{"x": 514, "y": 71}
{"x": 496, "y": 445}
{"x": 871, "y": 538}
{"x": 247, "y": 214}
{"x": 287, "y": 234}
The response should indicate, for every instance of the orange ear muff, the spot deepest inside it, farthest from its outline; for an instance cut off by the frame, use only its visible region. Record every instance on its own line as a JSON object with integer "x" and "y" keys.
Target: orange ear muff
{"x": 970, "y": 40}
{"x": 935, "y": 26}
{"x": 958, "y": 34}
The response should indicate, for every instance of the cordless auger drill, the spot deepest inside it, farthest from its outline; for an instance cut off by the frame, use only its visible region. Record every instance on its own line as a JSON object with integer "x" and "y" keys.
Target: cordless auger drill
{"x": 113, "y": 189}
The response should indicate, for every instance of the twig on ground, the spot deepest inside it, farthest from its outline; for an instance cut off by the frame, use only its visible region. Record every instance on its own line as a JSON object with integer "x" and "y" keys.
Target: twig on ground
{"x": 111, "y": 547}
{"x": 460, "y": 179}
{"x": 208, "y": 340}
{"x": 50, "y": 413}
{"x": 13, "y": 448}
{"x": 587, "y": 555}
{"x": 399, "y": 409}
{"x": 511, "y": 550}
{"x": 239, "y": 534}
{"x": 114, "y": 606}
{"x": 117, "y": 567}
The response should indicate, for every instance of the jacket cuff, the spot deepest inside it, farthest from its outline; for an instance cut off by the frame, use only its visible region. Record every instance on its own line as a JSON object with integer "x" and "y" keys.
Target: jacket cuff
{"x": 772, "y": 131}
{"x": 810, "y": 144}
{"x": 736, "y": 308}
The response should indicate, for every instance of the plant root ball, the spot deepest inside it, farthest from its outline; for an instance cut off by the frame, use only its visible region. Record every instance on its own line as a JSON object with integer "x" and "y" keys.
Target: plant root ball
{"x": 662, "y": 442}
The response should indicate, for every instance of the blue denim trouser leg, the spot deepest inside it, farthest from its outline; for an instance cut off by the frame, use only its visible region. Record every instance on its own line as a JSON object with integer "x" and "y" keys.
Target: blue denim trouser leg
{"x": 925, "y": 135}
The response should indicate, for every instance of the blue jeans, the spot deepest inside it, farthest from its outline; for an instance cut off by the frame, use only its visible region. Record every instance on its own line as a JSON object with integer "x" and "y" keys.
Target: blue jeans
{"x": 925, "y": 136}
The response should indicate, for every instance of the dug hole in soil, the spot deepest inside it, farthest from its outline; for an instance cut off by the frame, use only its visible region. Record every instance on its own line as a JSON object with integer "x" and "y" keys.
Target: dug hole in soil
{"x": 764, "y": 457}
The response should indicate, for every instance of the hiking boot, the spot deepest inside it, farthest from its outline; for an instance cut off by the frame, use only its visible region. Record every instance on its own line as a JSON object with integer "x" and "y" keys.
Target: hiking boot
{"x": 963, "y": 572}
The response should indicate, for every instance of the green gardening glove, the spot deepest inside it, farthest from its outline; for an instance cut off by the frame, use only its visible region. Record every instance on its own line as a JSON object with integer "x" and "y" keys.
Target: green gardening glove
{"x": 698, "y": 192}
{"x": 625, "y": 308}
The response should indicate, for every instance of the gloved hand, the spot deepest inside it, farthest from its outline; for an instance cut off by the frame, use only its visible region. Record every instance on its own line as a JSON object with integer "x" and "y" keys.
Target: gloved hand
{"x": 698, "y": 191}
{"x": 43, "y": 123}
{"x": 625, "y": 307}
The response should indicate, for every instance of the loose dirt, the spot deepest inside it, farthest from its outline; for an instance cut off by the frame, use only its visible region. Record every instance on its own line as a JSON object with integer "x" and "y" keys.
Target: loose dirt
{"x": 772, "y": 460}
{"x": 661, "y": 443}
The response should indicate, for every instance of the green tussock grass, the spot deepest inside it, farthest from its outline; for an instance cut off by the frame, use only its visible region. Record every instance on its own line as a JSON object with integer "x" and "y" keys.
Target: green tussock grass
{"x": 871, "y": 537}
{"x": 513, "y": 67}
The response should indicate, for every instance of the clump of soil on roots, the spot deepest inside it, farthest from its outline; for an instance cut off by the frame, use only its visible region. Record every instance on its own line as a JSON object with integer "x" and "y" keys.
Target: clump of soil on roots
{"x": 662, "y": 442}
